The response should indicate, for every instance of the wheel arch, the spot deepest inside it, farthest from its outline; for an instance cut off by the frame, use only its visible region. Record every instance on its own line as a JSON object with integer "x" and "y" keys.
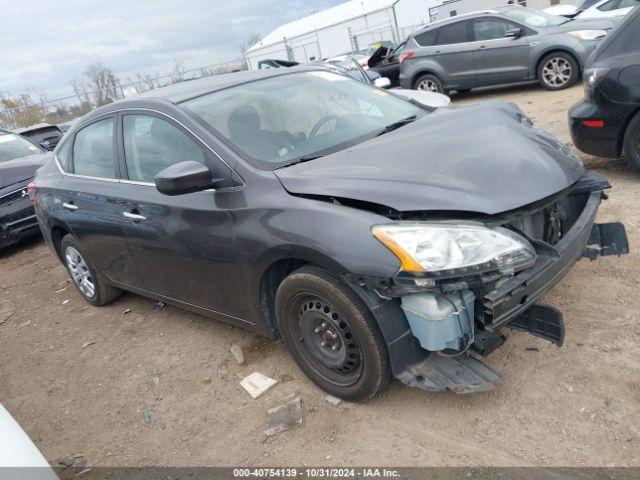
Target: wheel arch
{"x": 623, "y": 131}
{"x": 426, "y": 71}
{"x": 556, "y": 49}
{"x": 58, "y": 232}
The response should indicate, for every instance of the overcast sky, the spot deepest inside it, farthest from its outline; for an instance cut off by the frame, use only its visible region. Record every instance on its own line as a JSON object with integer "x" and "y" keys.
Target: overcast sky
{"x": 44, "y": 44}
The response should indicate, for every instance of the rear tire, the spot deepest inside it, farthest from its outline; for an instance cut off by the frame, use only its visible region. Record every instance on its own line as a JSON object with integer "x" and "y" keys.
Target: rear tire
{"x": 558, "y": 70}
{"x": 632, "y": 143}
{"x": 91, "y": 285}
{"x": 429, "y": 83}
{"x": 331, "y": 334}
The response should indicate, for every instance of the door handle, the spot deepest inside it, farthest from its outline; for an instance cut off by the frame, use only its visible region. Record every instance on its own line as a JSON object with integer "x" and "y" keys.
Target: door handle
{"x": 70, "y": 206}
{"x": 134, "y": 216}
{"x": 483, "y": 47}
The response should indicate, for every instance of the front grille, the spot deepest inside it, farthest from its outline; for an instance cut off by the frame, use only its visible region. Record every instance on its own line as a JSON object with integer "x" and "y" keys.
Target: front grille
{"x": 17, "y": 216}
{"x": 12, "y": 197}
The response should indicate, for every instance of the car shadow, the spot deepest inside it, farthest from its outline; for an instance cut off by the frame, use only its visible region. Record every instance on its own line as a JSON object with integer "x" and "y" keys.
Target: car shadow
{"x": 497, "y": 90}
{"x": 22, "y": 245}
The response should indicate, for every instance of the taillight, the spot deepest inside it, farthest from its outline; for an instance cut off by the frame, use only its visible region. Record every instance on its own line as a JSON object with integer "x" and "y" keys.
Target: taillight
{"x": 404, "y": 56}
{"x": 593, "y": 123}
{"x": 31, "y": 188}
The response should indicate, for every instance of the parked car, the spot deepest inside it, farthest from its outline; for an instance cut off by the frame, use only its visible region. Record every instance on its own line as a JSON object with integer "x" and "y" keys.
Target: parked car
{"x": 271, "y": 63}
{"x": 595, "y": 9}
{"x": 607, "y": 122}
{"x": 386, "y": 62}
{"x": 44, "y": 134}
{"x": 302, "y": 204}
{"x": 19, "y": 457}
{"x": 505, "y": 45}
{"x": 19, "y": 160}
{"x": 351, "y": 67}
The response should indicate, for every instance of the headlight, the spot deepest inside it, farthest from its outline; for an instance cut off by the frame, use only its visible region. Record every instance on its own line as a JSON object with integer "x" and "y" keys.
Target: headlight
{"x": 446, "y": 250}
{"x": 588, "y": 34}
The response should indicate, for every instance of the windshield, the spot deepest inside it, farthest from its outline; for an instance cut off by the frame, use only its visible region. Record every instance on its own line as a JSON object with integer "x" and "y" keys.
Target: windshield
{"x": 13, "y": 146}
{"x": 303, "y": 115}
{"x": 534, "y": 18}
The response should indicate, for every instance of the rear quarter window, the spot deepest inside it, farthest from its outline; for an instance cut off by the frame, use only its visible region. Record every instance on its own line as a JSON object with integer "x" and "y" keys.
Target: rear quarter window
{"x": 453, "y": 34}
{"x": 426, "y": 39}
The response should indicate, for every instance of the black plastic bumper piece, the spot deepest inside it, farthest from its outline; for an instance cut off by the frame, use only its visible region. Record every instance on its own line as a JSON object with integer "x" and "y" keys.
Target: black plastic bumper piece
{"x": 461, "y": 374}
{"x": 609, "y": 239}
{"x": 543, "y": 321}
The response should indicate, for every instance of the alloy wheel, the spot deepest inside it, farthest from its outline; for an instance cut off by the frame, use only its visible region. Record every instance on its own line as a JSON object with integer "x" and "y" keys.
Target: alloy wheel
{"x": 557, "y": 72}
{"x": 80, "y": 272}
{"x": 327, "y": 342}
{"x": 428, "y": 86}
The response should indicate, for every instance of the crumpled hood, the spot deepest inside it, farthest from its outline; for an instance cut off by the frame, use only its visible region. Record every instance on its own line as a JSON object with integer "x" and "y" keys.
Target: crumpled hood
{"x": 15, "y": 171}
{"x": 484, "y": 158}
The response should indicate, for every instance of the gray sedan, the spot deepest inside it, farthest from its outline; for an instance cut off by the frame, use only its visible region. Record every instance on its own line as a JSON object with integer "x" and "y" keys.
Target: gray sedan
{"x": 505, "y": 45}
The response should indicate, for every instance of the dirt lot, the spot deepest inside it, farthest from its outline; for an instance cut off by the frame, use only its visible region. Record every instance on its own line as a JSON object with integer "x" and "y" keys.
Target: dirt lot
{"x": 574, "y": 406}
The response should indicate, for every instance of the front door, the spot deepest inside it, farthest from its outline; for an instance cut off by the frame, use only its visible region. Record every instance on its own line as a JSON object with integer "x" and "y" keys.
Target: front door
{"x": 498, "y": 58}
{"x": 183, "y": 245}
{"x": 87, "y": 199}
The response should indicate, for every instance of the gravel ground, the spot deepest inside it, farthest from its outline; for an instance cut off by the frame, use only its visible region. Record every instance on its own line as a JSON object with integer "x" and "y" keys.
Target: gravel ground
{"x": 80, "y": 379}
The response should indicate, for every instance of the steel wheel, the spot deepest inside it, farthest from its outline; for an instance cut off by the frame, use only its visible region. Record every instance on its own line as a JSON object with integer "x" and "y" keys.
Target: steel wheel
{"x": 557, "y": 72}
{"x": 428, "y": 86}
{"x": 326, "y": 341}
{"x": 80, "y": 272}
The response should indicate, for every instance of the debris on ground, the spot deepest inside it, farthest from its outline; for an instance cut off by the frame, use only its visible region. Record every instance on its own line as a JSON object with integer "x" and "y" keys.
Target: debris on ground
{"x": 128, "y": 310}
{"x": 237, "y": 353}
{"x": 335, "y": 401}
{"x": 22, "y": 325}
{"x": 159, "y": 305}
{"x": 62, "y": 289}
{"x": 65, "y": 462}
{"x": 146, "y": 416}
{"x": 285, "y": 416}
{"x": 65, "y": 302}
{"x": 532, "y": 349}
{"x": 88, "y": 344}
{"x": 81, "y": 468}
{"x": 4, "y": 316}
{"x": 256, "y": 384}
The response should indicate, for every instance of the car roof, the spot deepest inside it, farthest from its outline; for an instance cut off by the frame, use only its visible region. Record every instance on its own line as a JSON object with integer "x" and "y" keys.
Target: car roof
{"x": 467, "y": 16}
{"x": 181, "y": 92}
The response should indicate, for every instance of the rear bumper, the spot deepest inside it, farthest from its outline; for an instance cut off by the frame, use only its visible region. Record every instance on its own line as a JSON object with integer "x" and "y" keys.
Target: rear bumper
{"x": 605, "y": 141}
{"x": 520, "y": 293}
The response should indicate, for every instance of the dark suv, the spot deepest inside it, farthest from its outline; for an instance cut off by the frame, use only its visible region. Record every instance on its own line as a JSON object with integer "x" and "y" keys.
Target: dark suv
{"x": 19, "y": 160}
{"x": 303, "y": 204}
{"x": 505, "y": 45}
{"x": 607, "y": 122}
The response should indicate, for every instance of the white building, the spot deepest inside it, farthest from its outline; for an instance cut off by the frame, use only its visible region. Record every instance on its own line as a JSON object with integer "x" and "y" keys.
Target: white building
{"x": 348, "y": 27}
{"x": 451, "y": 8}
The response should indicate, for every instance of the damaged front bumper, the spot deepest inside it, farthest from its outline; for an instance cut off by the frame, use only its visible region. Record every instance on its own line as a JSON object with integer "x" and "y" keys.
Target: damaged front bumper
{"x": 511, "y": 302}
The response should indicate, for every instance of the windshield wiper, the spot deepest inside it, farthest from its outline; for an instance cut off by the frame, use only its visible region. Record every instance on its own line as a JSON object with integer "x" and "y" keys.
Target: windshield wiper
{"x": 300, "y": 160}
{"x": 400, "y": 123}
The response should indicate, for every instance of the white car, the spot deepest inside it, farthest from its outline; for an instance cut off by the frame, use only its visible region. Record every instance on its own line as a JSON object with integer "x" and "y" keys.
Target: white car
{"x": 595, "y": 9}
{"x": 20, "y": 459}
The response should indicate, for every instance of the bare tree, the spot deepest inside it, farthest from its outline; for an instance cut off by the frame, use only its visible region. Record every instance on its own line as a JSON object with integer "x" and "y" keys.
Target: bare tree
{"x": 253, "y": 39}
{"x": 178, "y": 72}
{"x": 104, "y": 83}
{"x": 81, "y": 90}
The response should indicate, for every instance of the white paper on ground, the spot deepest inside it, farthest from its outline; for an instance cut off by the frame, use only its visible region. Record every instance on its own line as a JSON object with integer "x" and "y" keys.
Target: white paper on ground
{"x": 256, "y": 384}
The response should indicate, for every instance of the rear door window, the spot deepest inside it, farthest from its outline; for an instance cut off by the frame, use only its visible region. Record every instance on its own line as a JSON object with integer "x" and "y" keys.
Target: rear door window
{"x": 93, "y": 154}
{"x": 453, "y": 34}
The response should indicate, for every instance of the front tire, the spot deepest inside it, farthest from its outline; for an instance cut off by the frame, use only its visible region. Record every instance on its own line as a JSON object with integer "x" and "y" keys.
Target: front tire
{"x": 558, "y": 70}
{"x": 632, "y": 143}
{"x": 429, "y": 83}
{"x": 85, "y": 278}
{"x": 332, "y": 335}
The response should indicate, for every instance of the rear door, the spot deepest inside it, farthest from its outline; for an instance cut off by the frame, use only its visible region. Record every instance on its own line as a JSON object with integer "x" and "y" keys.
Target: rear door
{"x": 87, "y": 200}
{"x": 498, "y": 58}
{"x": 184, "y": 245}
{"x": 453, "y": 52}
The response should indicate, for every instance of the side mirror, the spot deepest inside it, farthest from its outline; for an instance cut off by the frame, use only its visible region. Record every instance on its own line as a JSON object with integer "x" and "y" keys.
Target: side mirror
{"x": 382, "y": 82}
{"x": 183, "y": 178}
{"x": 514, "y": 33}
